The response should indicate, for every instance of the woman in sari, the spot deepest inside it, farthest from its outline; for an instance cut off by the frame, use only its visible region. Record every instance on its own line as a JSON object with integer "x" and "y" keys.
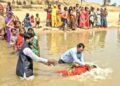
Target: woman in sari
{"x": 82, "y": 18}
{"x": 9, "y": 26}
{"x": 59, "y": 16}
{"x": 72, "y": 18}
{"x": 87, "y": 18}
{"x": 48, "y": 20}
{"x": 54, "y": 16}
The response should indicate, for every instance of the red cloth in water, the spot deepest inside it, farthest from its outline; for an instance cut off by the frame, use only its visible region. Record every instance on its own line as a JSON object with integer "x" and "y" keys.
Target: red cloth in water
{"x": 74, "y": 71}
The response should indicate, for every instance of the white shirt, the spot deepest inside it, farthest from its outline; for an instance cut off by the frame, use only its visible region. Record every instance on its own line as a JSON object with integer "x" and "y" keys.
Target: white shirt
{"x": 29, "y": 52}
{"x": 72, "y": 56}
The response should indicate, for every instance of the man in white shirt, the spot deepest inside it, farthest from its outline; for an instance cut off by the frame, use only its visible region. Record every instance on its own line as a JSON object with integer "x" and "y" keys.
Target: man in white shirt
{"x": 73, "y": 55}
{"x": 26, "y": 56}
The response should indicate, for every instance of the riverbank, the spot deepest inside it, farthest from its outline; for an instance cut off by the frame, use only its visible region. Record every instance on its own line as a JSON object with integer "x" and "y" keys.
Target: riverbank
{"x": 112, "y": 18}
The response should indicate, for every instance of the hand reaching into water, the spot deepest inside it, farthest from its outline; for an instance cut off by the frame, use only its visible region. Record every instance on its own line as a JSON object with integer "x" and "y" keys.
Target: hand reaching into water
{"x": 90, "y": 66}
{"x": 51, "y": 62}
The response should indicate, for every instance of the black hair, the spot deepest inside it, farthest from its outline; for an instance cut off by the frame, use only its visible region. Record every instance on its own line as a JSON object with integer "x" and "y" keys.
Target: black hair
{"x": 27, "y": 14}
{"x": 59, "y": 6}
{"x": 9, "y": 4}
{"x": 37, "y": 14}
{"x": 65, "y": 8}
{"x": 13, "y": 29}
{"x": 80, "y": 45}
{"x": 77, "y": 4}
{"x": 30, "y": 29}
{"x": 28, "y": 36}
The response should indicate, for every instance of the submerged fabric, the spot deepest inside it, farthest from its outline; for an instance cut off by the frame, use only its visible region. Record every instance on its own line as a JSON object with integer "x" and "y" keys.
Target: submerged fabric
{"x": 73, "y": 71}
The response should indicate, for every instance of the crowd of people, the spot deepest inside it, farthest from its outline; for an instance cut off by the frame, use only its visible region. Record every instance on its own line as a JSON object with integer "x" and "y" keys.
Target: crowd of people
{"x": 24, "y": 41}
{"x": 15, "y": 29}
{"x": 76, "y": 17}
{"x": 14, "y": 32}
{"x": 22, "y": 37}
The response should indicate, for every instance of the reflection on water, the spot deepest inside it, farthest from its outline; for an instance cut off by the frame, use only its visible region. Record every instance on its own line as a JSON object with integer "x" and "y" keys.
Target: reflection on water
{"x": 102, "y": 48}
{"x": 57, "y": 43}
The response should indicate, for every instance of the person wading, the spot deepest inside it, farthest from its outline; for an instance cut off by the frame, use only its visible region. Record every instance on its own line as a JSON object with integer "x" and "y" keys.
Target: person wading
{"x": 26, "y": 56}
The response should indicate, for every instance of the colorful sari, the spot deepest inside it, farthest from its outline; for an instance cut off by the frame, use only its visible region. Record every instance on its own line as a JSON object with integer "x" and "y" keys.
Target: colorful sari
{"x": 8, "y": 29}
{"x": 35, "y": 45}
{"x": 59, "y": 16}
{"x": 54, "y": 17}
{"x": 82, "y": 19}
{"x": 87, "y": 19}
{"x": 48, "y": 21}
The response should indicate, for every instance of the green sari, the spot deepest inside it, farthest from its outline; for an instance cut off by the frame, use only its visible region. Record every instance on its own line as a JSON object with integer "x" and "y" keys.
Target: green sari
{"x": 35, "y": 45}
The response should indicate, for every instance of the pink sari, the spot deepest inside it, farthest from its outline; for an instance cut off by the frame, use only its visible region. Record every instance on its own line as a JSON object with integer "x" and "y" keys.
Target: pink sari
{"x": 87, "y": 15}
{"x": 82, "y": 19}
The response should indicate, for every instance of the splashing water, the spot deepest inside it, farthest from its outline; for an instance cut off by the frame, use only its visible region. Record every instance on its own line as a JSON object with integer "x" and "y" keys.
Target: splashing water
{"x": 94, "y": 74}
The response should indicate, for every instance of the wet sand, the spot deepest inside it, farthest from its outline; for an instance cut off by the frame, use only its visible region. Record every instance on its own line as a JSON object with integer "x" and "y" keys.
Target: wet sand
{"x": 102, "y": 48}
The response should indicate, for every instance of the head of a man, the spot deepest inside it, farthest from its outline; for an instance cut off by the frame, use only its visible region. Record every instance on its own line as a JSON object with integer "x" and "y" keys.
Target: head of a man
{"x": 28, "y": 37}
{"x": 80, "y": 47}
{"x": 30, "y": 30}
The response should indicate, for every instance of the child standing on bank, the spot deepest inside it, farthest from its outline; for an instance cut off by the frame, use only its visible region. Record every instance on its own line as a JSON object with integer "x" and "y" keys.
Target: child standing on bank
{"x": 37, "y": 20}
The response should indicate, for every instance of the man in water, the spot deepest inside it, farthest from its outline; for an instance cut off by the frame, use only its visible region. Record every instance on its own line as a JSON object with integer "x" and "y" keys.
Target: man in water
{"x": 26, "y": 56}
{"x": 74, "y": 55}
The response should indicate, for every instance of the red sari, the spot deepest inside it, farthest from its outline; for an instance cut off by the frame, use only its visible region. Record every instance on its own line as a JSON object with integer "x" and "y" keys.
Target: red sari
{"x": 19, "y": 42}
{"x": 82, "y": 19}
{"x": 87, "y": 19}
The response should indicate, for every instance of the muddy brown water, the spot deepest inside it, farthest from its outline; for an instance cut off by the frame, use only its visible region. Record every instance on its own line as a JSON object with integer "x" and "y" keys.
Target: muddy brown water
{"x": 102, "y": 48}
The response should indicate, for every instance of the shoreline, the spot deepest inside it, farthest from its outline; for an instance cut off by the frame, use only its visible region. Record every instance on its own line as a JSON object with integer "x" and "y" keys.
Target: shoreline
{"x": 56, "y": 30}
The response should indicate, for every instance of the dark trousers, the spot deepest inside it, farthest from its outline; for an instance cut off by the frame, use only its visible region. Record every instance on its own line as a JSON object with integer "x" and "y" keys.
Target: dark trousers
{"x": 61, "y": 61}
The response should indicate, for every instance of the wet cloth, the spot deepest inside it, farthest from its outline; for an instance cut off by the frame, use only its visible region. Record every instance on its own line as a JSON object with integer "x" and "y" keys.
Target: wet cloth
{"x": 77, "y": 70}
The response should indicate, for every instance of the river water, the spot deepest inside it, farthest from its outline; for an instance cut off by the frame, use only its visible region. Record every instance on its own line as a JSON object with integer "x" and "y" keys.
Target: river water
{"x": 102, "y": 49}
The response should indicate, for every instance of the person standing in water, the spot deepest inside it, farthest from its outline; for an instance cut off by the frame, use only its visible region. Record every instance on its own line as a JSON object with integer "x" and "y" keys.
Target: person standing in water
{"x": 35, "y": 45}
{"x": 26, "y": 56}
{"x": 73, "y": 55}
